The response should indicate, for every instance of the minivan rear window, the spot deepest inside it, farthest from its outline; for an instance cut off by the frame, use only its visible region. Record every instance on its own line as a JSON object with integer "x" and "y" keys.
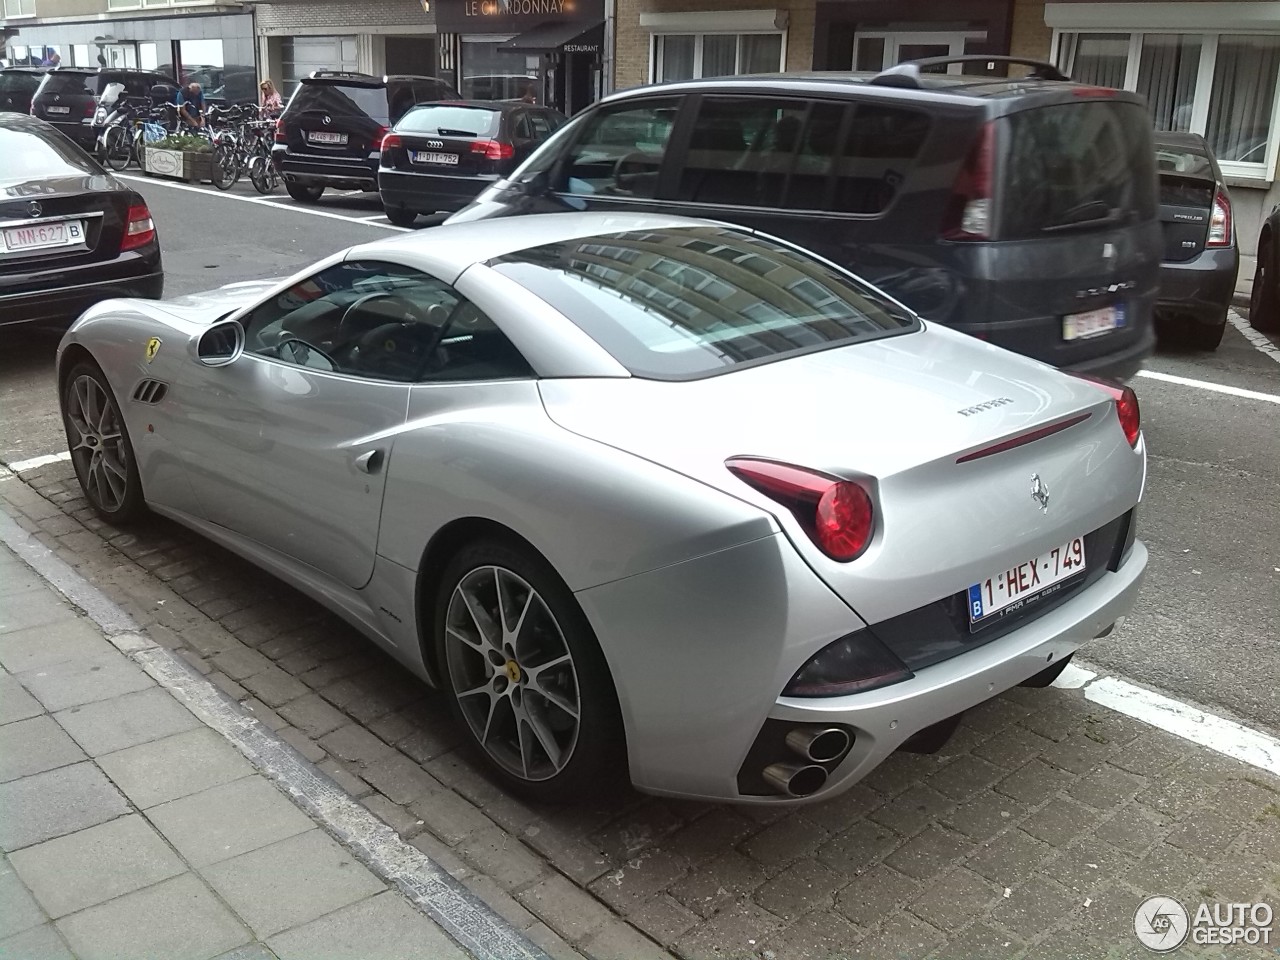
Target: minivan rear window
{"x": 1069, "y": 165}
{"x": 341, "y": 99}
{"x": 676, "y": 304}
{"x": 451, "y": 121}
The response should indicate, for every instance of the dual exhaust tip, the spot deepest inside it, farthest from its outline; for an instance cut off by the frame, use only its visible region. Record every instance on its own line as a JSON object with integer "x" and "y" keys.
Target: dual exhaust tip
{"x": 818, "y": 746}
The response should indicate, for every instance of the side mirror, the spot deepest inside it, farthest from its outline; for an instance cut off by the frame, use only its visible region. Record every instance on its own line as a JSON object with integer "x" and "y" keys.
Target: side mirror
{"x": 220, "y": 344}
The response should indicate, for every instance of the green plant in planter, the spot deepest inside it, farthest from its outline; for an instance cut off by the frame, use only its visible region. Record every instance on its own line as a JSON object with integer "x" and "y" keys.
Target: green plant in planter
{"x": 186, "y": 144}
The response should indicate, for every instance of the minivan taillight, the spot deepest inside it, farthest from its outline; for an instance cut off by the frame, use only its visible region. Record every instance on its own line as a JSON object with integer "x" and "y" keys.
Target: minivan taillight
{"x": 968, "y": 214}
{"x": 281, "y": 133}
{"x": 493, "y": 149}
{"x": 1220, "y": 221}
{"x": 838, "y": 515}
{"x": 139, "y": 229}
{"x": 1127, "y": 410}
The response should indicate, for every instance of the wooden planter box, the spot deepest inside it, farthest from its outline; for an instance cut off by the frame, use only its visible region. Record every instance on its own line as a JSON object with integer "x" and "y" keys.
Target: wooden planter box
{"x": 178, "y": 164}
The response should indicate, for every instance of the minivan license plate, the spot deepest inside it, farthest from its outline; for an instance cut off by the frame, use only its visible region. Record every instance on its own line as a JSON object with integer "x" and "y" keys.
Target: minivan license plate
{"x": 1007, "y": 591}
{"x": 1092, "y": 323}
{"x": 448, "y": 159}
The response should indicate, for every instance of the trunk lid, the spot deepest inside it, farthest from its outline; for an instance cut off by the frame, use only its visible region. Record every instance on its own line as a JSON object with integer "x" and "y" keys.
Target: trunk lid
{"x": 97, "y": 205}
{"x": 897, "y": 413}
{"x": 1188, "y": 184}
{"x": 447, "y": 140}
{"x": 338, "y": 120}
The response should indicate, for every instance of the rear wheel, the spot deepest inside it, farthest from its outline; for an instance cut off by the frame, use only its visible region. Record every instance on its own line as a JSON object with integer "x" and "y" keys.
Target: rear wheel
{"x": 400, "y": 216}
{"x": 1203, "y": 337}
{"x": 226, "y": 166}
{"x": 524, "y": 674}
{"x": 261, "y": 175}
{"x": 304, "y": 193}
{"x": 1264, "y": 299}
{"x": 100, "y": 448}
{"x": 115, "y": 152}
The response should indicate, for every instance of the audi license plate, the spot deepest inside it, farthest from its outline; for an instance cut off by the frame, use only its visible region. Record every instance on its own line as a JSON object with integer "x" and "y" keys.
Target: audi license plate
{"x": 448, "y": 159}
{"x": 62, "y": 233}
{"x": 57, "y": 109}
{"x": 1092, "y": 323}
{"x": 1008, "y": 591}
{"x": 322, "y": 136}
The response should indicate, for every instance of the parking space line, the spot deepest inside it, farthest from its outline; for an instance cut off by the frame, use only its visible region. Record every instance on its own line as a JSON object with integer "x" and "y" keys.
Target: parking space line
{"x": 1260, "y": 341}
{"x": 22, "y": 466}
{"x": 1211, "y": 387}
{"x": 265, "y": 202}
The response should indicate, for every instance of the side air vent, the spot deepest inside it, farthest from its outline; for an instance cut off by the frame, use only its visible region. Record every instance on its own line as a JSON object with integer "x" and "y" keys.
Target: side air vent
{"x": 150, "y": 391}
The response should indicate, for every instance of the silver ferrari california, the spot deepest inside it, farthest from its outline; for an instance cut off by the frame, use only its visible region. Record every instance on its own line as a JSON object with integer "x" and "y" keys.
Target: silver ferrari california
{"x": 637, "y": 493}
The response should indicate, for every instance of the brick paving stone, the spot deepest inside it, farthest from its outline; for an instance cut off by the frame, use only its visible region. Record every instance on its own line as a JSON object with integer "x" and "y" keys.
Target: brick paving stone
{"x": 503, "y": 858}
{"x": 313, "y": 716}
{"x": 1057, "y": 715}
{"x": 429, "y": 743}
{"x": 264, "y": 714}
{"x": 781, "y": 843}
{"x": 735, "y": 932}
{"x": 565, "y": 907}
{"x": 344, "y": 778}
{"x": 912, "y": 810}
{"x": 1164, "y": 870}
{"x": 818, "y": 936}
{"x": 240, "y": 663}
{"x": 1206, "y": 837}
{"x": 1010, "y": 858}
{"x": 801, "y": 888}
{"x": 708, "y": 836}
{"x": 394, "y": 727}
{"x": 329, "y": 671}
{"x": 1172, "y": 797}
{"x": 984, "y": 816}
{"x": 977, "y": 942}
{"x": 858, "y": 847}
{"x": 356, "y": 745}
{"x": 1012, "y": 747}
{"x": 840, "y": 812}
{"x": 954, "y": 898}
{"x": 638, "y": 829}
{"x": 400, "y": 779}
{"x": 1077, "y": 754}
{"x": 577, "y": 859}
{"x": 398, "y": 818}
{"x": 717, "y": 883}
{"x": 228, "y": 686}
{"x": 1035, "y": 906}
{"x": 1133, "y": 829}
{"x": 449, "y": 816}
{"x": 875, "y": 894}
{"x": 903, "y": 936}
{"x": 1242, "y": 878}
{"x": 275, "y": 687}
{"x": 551, "y": 943}
{"x": 1106, "y": 787}
{"x": 663, "y": 919}
{"x": 929, "y": 852}
{"x": 900, "y": 771}
{"x": 965, "y": 777}
{"x": 1034, "y": 783}
{"x": 617, "y": 941}
{"x": 311, "y": 751}
{"x": 629, "y": 886}
{"x": 1085, "y": 864}
{"x": 1060, "y": 821}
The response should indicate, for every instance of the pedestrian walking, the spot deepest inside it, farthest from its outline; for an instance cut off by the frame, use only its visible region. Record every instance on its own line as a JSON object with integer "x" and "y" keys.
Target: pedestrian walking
{"x": 272, "y": 106}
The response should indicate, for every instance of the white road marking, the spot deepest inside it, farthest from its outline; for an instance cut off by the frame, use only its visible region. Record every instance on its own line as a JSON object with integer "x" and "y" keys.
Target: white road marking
{"x": 1211, "y": 387}
{"x": 376, "y": 216}
{"x": 1260, "y": 341}
{"x": 22, "y": 466}
{"x": 265, "y": 202}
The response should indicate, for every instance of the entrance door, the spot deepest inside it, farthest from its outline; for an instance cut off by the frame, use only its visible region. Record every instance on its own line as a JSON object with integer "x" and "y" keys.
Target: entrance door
{"x": 881, "y": 50}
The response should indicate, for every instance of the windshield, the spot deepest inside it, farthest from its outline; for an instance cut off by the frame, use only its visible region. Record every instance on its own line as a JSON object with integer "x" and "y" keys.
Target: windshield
{"x": 1073, "y": 164}
{"x": 35, "y": 156}
{"x": 341, "y": 99}
{"x": 684, "y": 303}
{"x": 451, "y": 121}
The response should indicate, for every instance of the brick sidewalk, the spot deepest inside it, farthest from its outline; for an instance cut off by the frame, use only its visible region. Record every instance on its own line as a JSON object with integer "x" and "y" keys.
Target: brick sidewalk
{"x": 1035, "y": 832}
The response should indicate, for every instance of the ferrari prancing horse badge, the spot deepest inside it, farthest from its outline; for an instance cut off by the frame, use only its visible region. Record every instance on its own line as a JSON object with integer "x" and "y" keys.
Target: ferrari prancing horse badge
{"x": 153, "y": 347}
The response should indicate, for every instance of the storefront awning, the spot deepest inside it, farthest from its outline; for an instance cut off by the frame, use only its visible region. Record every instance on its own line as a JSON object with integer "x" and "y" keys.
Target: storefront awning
{"x": 556, "y": 37}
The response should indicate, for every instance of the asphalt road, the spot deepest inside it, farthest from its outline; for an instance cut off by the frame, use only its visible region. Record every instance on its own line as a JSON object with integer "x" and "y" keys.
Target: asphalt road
{"x": 1207, "y": 629}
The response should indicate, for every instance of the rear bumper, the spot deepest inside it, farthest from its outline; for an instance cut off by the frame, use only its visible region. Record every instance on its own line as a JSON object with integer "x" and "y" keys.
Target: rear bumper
{"x": 345, "y": 174}
{"x": 427, "y": 193}
{"x": 1201, "y": 288}
{"x": 77, "y": 290}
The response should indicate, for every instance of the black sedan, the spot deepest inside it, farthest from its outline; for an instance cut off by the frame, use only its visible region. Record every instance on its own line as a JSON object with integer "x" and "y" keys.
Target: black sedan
{"x": 439, "y": 156}
{"x": 70, "y": 233}
{"x": 1198, "y": 270}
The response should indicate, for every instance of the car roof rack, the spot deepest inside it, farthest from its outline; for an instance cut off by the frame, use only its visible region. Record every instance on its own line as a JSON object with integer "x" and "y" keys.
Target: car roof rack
{"x": 908, "y": 74}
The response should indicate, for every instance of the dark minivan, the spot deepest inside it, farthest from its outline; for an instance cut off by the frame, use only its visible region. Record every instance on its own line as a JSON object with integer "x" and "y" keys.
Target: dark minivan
{"x": 17, "y": 86}
{"x": 440, "y": 155}
{"x": 1021, "y": 211}
{"x": 330, "y": 134}
{"x": 68, "y": 97}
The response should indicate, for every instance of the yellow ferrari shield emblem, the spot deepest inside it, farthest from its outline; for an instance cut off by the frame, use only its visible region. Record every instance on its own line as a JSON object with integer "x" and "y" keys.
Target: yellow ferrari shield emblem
{"x": 153, "y": 347}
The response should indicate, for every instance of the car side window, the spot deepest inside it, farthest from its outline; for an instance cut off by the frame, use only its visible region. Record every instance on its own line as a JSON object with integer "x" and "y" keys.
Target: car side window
{"x": 540, "y": 122}
{"x": 620, "y": 151}
{"x": 381, "y": 321}
{"x": 880, "y": 150}
{"x": 741, "y": 151}
{"x": 521, "y": 128}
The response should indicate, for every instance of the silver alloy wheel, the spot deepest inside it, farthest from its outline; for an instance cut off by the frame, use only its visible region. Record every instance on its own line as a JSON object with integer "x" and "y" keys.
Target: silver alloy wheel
{"x": 512, "y": 673}
{"x": 100, "y": 454}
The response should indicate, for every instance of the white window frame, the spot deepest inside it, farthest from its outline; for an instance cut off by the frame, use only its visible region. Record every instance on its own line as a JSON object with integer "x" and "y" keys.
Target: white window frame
{"x": 655, "y": 48}
{"x": 18, "y": 5}
{"x": 893, "y": 39}
{"x": 1204, "y": 84}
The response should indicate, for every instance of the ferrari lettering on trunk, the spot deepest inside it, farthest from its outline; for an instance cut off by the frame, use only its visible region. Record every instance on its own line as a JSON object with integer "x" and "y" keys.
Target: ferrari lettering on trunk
{"x": 985, "y": 406}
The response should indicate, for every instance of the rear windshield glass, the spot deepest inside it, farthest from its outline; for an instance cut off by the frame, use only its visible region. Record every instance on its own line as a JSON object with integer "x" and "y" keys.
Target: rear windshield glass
{"x": 35, "y": 156}
{"x": 71, "y": 83}
{"x": 1071, "y": 165}
{"x": 686, "y": 303}
{"x": 17, "y": 82}
{"x": 1186, "y": 191}
{"x": 451, "y": 121}
{"x": 341, "y": 99}
{"x": 1171, "y": 159}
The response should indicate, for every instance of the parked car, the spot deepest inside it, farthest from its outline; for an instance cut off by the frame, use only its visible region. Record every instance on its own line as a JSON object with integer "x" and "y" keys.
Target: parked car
{"x": 914, "y": 180}
{"x": 68, "y": 97}
{"x": 70, "y": 233}
{"x": 17, "y": 86}
{"x": 635, "y": 491}
{"x": 330, "y": 134}
{"x": 1264, "y": 298}
{"x": 439, "y": 156}
{"x": 1201, "y": 258}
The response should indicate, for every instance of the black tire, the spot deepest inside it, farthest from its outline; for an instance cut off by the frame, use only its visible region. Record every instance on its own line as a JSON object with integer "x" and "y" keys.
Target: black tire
{"x": 261, "y": 175}
{"x": 304, "y": 193}
{"x": 1264, "y": 299}
{"x": 400, "y": 216}
{"x": 120, "y": 503}
{"x": 1202, "y": 337}
{"x": 115, "y": 153}
{"x": 597, "y": 759}
{"x": 226, "y": 166}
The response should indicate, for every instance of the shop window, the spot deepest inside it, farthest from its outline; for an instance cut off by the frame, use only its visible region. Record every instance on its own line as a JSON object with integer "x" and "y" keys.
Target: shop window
{"x": 19, "y": 8}
{"x": 1221, "y": 86}
{"x": 620, "y": 153}
{"x": 489, "y": 73}
{"x": 684, "y": 56}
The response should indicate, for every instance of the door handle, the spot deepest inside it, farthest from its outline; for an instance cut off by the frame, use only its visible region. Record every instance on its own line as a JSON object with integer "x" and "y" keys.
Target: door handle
{"x": 370, "y": 461}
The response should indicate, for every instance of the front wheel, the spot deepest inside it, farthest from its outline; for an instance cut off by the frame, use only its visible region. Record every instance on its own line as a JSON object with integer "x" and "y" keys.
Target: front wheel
{"x": 261, "y": 175}
{"x": 115, "y": 148}
{"x": 226, "y": 166}
{"x": 525, "y": 675}
{"x": 101, "y": 451}
{"x": 1264, "y": 299}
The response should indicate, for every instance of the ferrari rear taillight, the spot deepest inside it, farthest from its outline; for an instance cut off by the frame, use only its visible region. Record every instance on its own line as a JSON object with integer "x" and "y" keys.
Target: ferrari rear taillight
{"x": 837, "y": 515}
{"x": 1126, "y": 406}
{"x": 139, "y": 229}
{"x": 1220, "y": 221}
{"x": 968, "y": 213}
{"x": 493, "y": 149}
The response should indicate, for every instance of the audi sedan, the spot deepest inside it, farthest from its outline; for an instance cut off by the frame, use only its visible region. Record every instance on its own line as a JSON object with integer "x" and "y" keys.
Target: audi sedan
{"x": 639, "y": 494}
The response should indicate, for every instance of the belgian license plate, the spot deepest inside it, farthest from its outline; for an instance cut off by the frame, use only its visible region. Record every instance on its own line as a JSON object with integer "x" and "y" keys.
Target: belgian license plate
{"x": 58, "y": 109}
{"x": 1092, "y": 323}
{"x": 1008, "y": 591}
{"x": 63, "y": 233}
{"x": 322, "y": 136}
{"x": 448, "y": 159}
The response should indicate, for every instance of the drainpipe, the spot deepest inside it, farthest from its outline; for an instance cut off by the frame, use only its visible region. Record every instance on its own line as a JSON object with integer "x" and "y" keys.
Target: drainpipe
{"x": 607, "y": 58}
